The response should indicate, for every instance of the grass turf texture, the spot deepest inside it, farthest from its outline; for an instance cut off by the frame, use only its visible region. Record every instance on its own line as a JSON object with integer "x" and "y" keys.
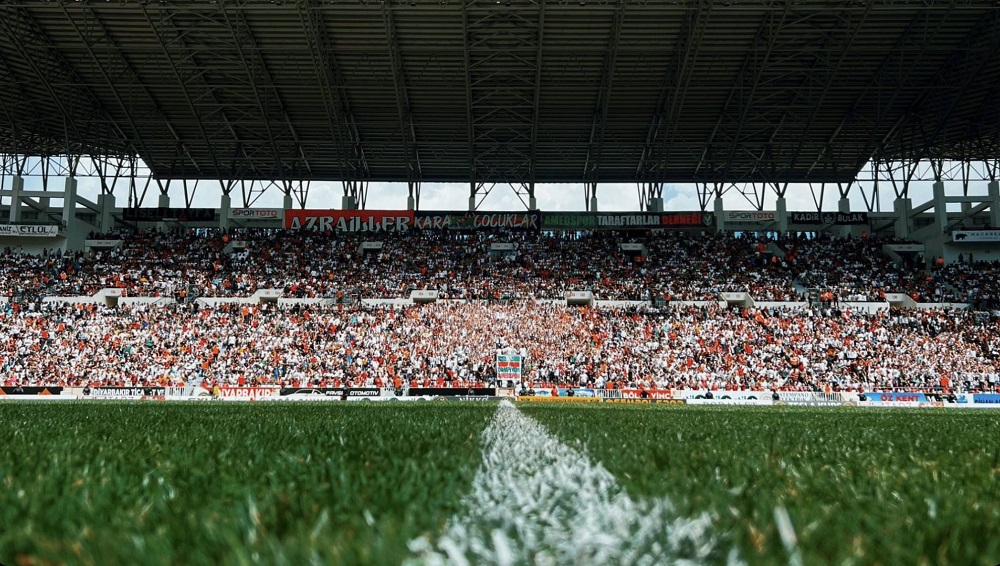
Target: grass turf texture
{"x": 122, "y": 483}
{"x": 860, "y": 486}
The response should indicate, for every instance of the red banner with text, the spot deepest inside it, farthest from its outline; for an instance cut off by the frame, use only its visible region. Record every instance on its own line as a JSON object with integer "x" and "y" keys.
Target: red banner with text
{"x": 349, "y": 220}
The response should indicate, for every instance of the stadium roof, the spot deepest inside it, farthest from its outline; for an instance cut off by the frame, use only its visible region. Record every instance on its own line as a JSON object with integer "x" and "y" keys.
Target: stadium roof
{"x": 502, "y": 90}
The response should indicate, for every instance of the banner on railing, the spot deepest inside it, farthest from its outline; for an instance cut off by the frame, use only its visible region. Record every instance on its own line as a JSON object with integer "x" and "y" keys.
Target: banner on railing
{"x": 102, "y": 243}
{"x": 625, "y": 221}
{"x": 839, "y": 218}
{"x": 458, "y": 220}
{"x": 168, "y": 214}
{"x": 29, "y": 230}
{"x": 349, "y": 220}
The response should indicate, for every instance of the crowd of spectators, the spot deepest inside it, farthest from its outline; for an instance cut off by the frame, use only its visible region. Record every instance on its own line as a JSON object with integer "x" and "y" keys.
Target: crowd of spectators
{"x": 492, "y": 297}
{"x": 974, "y": 282}
{"x": 672, "y": 265}
{"x": 857, "y": 269}
{"x": 454, "y": 343}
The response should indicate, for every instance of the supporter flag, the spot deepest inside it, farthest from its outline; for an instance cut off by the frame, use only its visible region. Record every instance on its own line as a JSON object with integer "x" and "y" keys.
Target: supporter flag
{"x": 509, "y": 367}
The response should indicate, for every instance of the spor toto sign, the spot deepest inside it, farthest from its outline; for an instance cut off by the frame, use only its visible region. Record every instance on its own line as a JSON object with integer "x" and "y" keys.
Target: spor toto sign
{"x": 255, "y": 213}
{"x": 750, "y": 216}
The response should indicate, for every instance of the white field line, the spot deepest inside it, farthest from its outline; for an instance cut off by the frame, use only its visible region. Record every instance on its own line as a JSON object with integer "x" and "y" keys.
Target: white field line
{"x": 535, "y": 500}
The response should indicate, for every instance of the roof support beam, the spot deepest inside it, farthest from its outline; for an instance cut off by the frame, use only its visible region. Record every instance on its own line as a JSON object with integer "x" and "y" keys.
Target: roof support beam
{"x": 598, "y": 126}
{"x": 159, "y": 29}
{"x": 656, "y": 153}
{"x": 94, "y": 24}
{"x": 831, "y": 73}
{"x": 469, "y": 116}
{"x": 708, "y": 159}
{"x": 38, "y": 50}
{"x": 769, "y": 31}
{"x": 14, "y": 109}
{"x": 260, "y": 77}
{"x": 502, "y": 43}
{"x": 343, "y": 128}
{"x": 916, "y": 37}
{"x": 953, "y": 79}
{"x": 409, "y": 132}
{"x": 536, "y": 100}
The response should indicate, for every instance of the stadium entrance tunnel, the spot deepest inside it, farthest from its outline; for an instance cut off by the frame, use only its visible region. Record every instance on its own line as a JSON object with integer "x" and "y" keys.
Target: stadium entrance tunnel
{"x": 109, "y": 297}
{"x": 737, "y": 299}
{"x": 579, "y": 298}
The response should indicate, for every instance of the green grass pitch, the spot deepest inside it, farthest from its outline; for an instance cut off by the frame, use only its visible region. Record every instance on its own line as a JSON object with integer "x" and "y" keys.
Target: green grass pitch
{"x": 861, "y": 486}
{"x": 302, "y": 483}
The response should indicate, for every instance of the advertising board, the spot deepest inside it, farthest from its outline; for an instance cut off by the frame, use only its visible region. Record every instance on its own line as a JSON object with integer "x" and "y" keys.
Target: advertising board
{"x": 256, "y": 213}
{"x": 975, "y": 236}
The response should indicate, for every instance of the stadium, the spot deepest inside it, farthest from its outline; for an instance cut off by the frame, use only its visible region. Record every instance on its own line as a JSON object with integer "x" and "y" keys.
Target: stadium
{"x": 769, "y": 332}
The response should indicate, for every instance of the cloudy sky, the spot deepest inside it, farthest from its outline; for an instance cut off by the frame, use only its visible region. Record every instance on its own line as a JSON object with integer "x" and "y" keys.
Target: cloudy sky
{"x": 557, "y": 197}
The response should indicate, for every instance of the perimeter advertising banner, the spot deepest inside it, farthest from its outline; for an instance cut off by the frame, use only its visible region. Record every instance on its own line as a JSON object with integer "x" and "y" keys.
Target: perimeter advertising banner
{"x": 896, "y": 397}
{"x": 647, "y": 393}
{"x": 245, "y": 392}
{"x": 124, "y": 392}
{"x": 331, "y": 391}
{"x": 630, "y": 401}
{"x": 452, "y": 391}
{"x": 30, "y": 391}
{"x": 978, "y": 399}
